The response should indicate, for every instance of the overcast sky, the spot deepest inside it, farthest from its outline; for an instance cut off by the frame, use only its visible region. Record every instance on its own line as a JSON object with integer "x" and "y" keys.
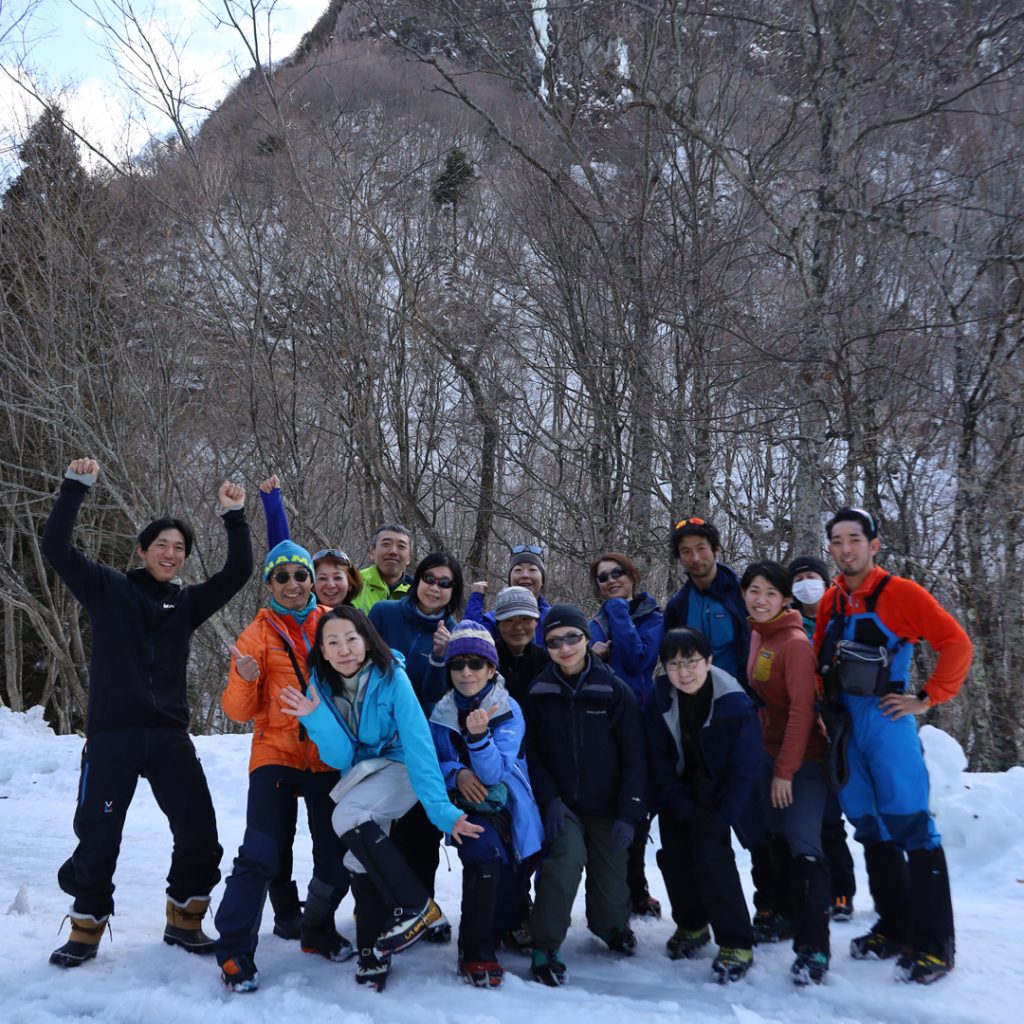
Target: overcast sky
{"x": 61, "y": 48}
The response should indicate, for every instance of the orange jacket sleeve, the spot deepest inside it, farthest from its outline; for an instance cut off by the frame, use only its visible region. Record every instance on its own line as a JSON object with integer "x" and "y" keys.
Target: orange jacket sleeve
{"x": 912, "y": 612}
{"x": 241, "y": 700}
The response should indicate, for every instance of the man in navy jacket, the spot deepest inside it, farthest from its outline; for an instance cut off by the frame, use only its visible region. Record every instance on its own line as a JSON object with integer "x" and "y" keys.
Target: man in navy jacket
{"x": 141, "y": 624}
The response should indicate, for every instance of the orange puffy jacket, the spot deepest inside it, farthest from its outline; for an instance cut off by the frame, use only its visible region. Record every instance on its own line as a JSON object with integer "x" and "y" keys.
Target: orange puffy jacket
{"x": 275, "y": 738}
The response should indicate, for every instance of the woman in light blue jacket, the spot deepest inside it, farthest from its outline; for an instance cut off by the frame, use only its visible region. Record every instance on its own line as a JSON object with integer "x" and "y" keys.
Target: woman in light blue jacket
{"x": 362, "y": 713}
{"x": 478, "y": 731}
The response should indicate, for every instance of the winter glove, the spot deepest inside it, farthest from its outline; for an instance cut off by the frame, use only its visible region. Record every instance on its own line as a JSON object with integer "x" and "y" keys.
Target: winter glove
{"x": 556, "y": 814}
{"x": 622, "y": 835}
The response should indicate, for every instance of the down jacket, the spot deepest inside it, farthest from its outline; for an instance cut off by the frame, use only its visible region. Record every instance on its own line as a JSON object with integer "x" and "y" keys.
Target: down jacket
{"x": 276, "y": 737}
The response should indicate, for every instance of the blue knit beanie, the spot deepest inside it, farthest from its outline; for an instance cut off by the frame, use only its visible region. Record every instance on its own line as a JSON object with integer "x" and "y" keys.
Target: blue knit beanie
{"x": 470, "y": 639}
{"x": 286, "y": 553}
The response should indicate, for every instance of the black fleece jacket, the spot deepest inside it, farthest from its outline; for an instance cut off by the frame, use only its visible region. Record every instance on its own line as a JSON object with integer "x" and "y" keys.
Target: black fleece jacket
{"x": 585, "y": 744}
{"x": 141, "y": 628}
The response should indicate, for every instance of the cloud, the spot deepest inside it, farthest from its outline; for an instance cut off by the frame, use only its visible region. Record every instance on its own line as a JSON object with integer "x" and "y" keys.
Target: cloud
{"x": 177, "y": 58}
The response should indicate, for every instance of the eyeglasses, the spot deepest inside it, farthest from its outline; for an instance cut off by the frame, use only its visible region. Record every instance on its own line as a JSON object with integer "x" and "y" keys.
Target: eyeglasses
{"x": 532, "y": 548}
{"x": 612, "y": 574}
{"x": 473, "y": 664}
{"x": 281, "y": 577}
{"x": 679, "y": 664}
{"x": 692, "y": 521}
{"x": 336, "y": 553}
{"x": 554, "y": 642}
{"x": 445, "y": 583}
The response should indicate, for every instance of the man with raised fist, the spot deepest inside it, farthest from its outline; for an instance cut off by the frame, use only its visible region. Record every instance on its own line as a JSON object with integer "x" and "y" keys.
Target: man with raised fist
{"x": 141, "y": 624}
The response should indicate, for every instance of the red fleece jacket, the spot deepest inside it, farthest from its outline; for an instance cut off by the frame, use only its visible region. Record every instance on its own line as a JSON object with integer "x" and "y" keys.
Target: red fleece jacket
{"x": 782, "y": 671}
{"x": 910, "y": 612}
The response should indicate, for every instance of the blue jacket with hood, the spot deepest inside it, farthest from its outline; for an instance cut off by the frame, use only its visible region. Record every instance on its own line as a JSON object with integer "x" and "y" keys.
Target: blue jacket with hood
{"x": 391, "y": 725}
{"x": 495, "y": 757}
{"x": 635, "y": 629}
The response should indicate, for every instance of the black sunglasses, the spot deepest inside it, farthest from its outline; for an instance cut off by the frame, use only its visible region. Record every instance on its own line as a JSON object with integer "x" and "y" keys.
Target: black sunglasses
{"x": 473, "y": 664}
{"x": 336, "y": 553}
{"x": 432, "y": 581}
{"x": 281, "y": 577}
{"x": 532, "y": 548}
{"x": 554, "y": 642}
{"x": 612, "y": 574}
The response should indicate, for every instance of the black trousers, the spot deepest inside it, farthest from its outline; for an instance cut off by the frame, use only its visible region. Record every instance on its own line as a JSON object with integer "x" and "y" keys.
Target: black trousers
{"x": 699, "y": 868}
{"x": 268, "y": 832}
{"x": 837, "y": 851}
{"x": 420, "y": 843}
{"x": 112, "y": 764}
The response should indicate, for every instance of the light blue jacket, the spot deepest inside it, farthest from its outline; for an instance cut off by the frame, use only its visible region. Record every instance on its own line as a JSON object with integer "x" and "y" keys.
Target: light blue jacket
{"x": 496, "y": 757}
{"x": 391, "y": 725}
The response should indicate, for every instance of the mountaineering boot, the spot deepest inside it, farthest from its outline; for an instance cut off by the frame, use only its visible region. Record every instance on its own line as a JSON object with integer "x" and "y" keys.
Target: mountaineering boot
{"x": 770, "y": 927}
{"x": 239, "y": 974}
{"x": 519, "y": 938}
{"x": 411, "y": 910}
{"x": 875, "y": 946}
{"x": 373, "y": 970}
{"x": 548, "y": 968}
{"x": 86, "y": 932}
{"x": 932, "y": 935}
{"x": 406, "y": 928}
{"x": 810, "y": 966}
{"x": 185, "y": 925}
{"x": 684, "y": 943}
{"x": 481, "y": 973}
{"x": 922, "y": 968}
{"x": 317, "y": 932}
{"x": 841, "y": 909}
{"x": 619, "y": 940}
{"x": 645, "y": 905}
{"x": 284, "y": 898}
{"x": 441, "y": 930}
{"x": 731, "y": 964}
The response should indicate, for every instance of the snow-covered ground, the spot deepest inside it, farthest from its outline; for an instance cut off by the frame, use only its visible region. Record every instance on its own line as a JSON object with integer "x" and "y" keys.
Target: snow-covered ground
{"x": 138, "y": 979}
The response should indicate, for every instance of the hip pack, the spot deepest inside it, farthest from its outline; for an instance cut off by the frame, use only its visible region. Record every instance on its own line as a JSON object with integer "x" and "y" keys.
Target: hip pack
{"x": 862, "y": 669}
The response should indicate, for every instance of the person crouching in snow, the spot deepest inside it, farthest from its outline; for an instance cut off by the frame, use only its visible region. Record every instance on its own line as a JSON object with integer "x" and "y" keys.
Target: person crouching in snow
{"x": 704, "y": 767}
{"x": 478, "y": 732}
{"x": 364, "y": 716}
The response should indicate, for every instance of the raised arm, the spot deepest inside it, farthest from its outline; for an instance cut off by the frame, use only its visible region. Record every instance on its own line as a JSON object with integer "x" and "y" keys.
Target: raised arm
{"x": 83, "y": 577}
{"x": 212, "y": 595}
{"x": 273, "y": 509}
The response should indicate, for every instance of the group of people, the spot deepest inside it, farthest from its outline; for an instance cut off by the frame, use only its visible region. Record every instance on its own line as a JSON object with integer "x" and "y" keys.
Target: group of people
{"x": 540, "y": 742}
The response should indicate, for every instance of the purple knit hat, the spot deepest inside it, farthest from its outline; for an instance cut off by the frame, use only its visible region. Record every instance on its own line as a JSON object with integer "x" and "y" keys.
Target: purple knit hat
{"x": 471, "y": 639}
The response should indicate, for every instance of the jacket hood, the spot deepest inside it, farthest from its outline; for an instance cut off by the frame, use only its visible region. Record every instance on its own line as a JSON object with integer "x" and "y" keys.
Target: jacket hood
{"x": 723, "y": 685}
{"x": 446, "y": 711}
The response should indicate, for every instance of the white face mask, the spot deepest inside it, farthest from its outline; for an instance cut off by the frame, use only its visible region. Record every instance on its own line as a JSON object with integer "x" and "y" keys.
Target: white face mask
{"x": 809, "y": 591}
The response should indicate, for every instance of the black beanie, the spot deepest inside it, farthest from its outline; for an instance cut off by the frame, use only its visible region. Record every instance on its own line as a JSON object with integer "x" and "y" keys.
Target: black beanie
{"x": 527, "y": 558}
{"x": 808, "y": 563}
{"x": 565, "y": 615}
